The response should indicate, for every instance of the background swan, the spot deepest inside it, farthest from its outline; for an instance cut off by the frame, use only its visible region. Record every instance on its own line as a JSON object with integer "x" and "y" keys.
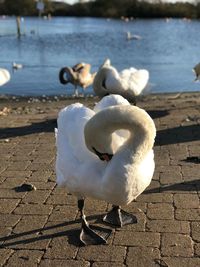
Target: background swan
{"x": 4, "y": 76}
{"x": 125, "y": 169}
{"x": 78, "y": 75}
{"x": 17, "y": 66}
{"x": 129, "y": 83}
{"x": 130, "y": 36}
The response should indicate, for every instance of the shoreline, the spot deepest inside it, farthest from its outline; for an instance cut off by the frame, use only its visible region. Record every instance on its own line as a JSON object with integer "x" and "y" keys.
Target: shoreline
{"x": 38, "y": 98}
{"x": 45, "y": 106}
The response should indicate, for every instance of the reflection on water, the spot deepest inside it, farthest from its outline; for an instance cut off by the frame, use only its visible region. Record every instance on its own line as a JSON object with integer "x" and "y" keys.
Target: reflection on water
{"x": 169, "y": 50}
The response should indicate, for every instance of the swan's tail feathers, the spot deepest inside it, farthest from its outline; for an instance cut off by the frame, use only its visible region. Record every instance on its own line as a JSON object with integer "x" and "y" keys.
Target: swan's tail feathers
{"x": 66, "y": 75}
{"x": 139, "y": 80}
{"x": 4, "y": 76}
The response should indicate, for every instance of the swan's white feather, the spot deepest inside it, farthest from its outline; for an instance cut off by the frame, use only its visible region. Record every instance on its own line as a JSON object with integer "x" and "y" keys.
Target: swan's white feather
{"x": 134, "y": 79}
{"x": 127, "y": 80}
{"x": 4, "y": 76}
{"x": 73, "y": 158}
{"x": 110, "y": 100}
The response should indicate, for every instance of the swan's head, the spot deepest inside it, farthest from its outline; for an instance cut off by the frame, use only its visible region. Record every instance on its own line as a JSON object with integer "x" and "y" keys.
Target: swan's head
{"x": 97, "y": 139}
{"x": 99, "y": 144}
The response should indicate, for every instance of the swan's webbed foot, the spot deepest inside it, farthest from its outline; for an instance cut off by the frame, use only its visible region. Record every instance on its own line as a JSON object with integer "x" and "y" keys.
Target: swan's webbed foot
{"x": 119, "y": 217}
{"x": 90, "y": 237}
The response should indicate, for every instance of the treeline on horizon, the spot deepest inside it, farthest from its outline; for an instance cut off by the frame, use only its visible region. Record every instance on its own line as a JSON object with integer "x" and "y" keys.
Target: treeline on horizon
{"x": 104, "y": 8}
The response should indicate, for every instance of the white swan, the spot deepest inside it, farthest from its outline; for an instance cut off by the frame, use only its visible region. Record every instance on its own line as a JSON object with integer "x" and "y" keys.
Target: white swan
{"x": 78, "y": 75}
{"x": 126, "y": 166}
{"x": 129, "y": 83}
{"x": 130, "y": 36}
{"x": 17, "y": 66}
{"x": 4, "y": 76}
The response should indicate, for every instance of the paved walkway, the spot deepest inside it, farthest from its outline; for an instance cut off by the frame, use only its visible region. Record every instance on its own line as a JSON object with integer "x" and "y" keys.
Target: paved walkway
{"x": 40, "y": 227}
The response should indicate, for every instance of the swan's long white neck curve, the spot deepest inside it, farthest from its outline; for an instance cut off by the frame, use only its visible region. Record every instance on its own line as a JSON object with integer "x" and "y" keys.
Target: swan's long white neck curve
{"x": 131, "y": 168}
{"x": 142, "y": 130}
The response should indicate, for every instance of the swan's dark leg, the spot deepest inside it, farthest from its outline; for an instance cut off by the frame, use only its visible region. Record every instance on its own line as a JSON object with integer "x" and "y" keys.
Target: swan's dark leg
{"x": 87, "y": 235}
{"x": 119, "y": 217}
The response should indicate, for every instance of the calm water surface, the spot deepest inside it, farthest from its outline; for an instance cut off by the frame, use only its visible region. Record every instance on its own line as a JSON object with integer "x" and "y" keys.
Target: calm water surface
{"x": 169, "y": 50}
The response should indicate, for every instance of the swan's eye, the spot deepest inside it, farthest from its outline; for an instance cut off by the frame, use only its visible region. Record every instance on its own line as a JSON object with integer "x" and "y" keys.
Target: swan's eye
{"x": 103, "y": 156}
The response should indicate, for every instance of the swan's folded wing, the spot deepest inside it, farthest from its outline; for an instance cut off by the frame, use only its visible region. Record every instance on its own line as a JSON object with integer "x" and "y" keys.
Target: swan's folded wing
{"x": 127, "y": 72}
{"x": 71, "y": 148}
{"x": 138, "y": 80}
{"x": 134, "y": 80}
{"x": 71, "y": 123}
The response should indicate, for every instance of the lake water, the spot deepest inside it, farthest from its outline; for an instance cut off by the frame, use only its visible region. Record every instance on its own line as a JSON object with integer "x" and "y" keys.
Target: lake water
{"x": 168, "y": 49}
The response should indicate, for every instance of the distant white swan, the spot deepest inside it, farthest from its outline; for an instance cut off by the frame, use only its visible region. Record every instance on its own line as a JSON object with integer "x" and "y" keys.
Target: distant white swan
{"x": 17, "y": 66}
{"x": 93, "y": 161}
{"x": 130, "y": 36}
{"x": 129, "y": 83}
{"x": 4, "y": 76}
{"x": 78, "y": 75}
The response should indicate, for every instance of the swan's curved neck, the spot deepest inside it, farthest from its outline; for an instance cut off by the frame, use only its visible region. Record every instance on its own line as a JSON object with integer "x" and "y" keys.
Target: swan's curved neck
{"x": 99, "y": 84}
{"x": 137, "y": 121}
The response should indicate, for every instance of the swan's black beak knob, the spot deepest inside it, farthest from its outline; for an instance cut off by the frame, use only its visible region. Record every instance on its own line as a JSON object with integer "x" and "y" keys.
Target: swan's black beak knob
{"x": 103, "y": 156}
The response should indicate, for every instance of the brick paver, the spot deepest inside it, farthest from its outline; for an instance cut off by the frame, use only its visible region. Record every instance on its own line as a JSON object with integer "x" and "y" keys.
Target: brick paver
{"x": 40, "y": 228}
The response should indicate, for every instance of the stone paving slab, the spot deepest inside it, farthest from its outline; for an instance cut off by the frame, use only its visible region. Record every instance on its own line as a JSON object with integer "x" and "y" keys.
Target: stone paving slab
{"x": 40, "y": 228}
